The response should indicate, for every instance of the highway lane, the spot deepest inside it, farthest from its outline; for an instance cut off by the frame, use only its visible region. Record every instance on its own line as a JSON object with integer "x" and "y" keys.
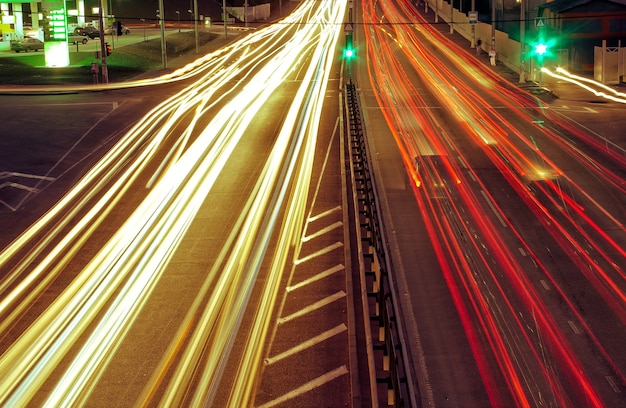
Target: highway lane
{"x": 501, "y": 190}
{"x": 115, "y": 326}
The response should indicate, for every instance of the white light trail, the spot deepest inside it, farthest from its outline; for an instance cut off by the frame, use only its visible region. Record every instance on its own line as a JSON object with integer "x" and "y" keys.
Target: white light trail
{"x": 109, "y": 293}
{"x": 587, "y": 84}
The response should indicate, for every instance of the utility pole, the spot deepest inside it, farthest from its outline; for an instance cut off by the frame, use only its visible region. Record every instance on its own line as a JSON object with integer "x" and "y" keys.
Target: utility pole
{"x": 103, "y": 50}
{"x": 163, "y": 43}
{"x": 224, "y": 11}
{"x": 451, "y": 16}
{"x": 493, "y": 24}
{"x": 522, "y": 41}
{"x": 245, "y": 13}
{"x": 195, "y": 24}
{"x": 473, "y": 39}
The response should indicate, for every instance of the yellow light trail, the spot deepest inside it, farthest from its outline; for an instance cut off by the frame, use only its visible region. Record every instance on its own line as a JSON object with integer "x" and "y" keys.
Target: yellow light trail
{"x": 118, "y": 281}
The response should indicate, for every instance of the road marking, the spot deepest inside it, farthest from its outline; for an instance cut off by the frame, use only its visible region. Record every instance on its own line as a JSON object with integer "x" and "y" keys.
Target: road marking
{"x": 571, "y": 110}
{"x": 307, "y": 344}
{"x": 575, "y": 328}
{"x": 544, "y": 284}
{"x": 493, "y": 208}
{"x": 323, "y": 231}
{"x": 521, "y": 251}
{"x": 319, "y": 253}
{"x": 114, "y": 105}
{"x": 324, "y": 214}
{"x": 317, "y": 305}
{"x": 317, "y": 382}
{"x": 7, "y": 174}
{"x": 18, "y": 186}
{"x": 319, "y": 276}
{"x": 612, "y": 383}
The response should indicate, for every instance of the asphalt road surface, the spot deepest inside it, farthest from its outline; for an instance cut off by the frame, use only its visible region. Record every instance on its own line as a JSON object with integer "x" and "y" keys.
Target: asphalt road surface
{"x": 504, "y": 234}
{"x": 187, "y": 236}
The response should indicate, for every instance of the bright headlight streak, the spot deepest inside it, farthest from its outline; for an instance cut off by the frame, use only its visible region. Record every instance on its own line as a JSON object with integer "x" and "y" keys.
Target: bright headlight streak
{"x": 120, "y": 153}
{"x": 160, "y": 114}
{"x": 241, "y": 391}
{"x": 176, "y": 384}
{"x": 213, "y": 79}
{"x": 212, "y": 313}
{"x": 125, "y": 244}
{"x": 110, "y": 163}
{"x": 580, "y": 81}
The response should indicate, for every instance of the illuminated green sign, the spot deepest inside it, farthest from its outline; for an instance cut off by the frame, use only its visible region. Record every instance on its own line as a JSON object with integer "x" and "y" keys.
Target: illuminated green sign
{"x": 58, "y": 24}
{"x": 55, "y": 44}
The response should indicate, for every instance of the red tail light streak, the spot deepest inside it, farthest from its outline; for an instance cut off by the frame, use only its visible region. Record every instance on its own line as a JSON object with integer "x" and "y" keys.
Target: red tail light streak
{"x": 439, "y": 102}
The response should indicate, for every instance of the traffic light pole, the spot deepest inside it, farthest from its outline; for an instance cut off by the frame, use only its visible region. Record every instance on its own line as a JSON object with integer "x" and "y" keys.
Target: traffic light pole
{"x": 163, "y": 42}
{"x": 522, "y": 41}
{"x": 493, "y": 25}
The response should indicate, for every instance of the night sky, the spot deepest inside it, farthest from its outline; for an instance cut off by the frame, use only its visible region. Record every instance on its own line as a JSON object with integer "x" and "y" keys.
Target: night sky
{"x": 132, "y": 10}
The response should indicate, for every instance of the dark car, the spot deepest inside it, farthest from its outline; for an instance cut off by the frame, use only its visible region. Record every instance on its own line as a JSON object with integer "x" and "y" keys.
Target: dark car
{"x": 27, "y": 44}
{"x": 91, "y": 32}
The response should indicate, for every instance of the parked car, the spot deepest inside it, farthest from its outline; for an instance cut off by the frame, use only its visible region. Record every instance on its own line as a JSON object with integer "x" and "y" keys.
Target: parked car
{"x": 113, "y": 30}
{"x": 27, "y": 44}
{"x": 91, "y": 32}
{"x": 77, "y": 39}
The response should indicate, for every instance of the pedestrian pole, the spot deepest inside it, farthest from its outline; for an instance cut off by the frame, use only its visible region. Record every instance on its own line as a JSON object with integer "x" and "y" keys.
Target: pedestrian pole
{"x": 473, "y": 40}
{"x": 103, "y": 51}
{"x": 163, "y": 43}
{"x": 522, "y": 41}
{"x": 195, "y": 24}
{"x": 224, "y": 12}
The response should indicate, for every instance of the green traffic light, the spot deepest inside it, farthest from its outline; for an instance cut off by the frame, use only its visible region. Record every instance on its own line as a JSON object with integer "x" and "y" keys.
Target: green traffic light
{"x": 541, "y": 49}
{"x": 348, "y": 51}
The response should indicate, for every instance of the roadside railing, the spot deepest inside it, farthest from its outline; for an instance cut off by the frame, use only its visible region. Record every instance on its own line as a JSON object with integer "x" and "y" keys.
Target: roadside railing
{"x": 387, "y": 356}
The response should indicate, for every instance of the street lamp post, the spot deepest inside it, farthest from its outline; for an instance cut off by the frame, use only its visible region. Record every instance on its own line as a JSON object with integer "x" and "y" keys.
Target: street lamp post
{"x": 143, "y": 23}
{"x": 103, "y": 50}
{"x": 161, "y": 14}
{"x": 245, "y": 13}
{"x": 473, "y": 40}
{"x": 178, "y": 15}
{"x": 224, "y": 11}
{"x": 451, "y": 16}
{"x": 195, "y": 23}
{"x": 493, "y": 25}
{"x": 522, "y": 41}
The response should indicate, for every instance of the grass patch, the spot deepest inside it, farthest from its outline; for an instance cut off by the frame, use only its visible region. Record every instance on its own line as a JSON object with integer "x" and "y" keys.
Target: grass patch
{"x": 123, "y": 63}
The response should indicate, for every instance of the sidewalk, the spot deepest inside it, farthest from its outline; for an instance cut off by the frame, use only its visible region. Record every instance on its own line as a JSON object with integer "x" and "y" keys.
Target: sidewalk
{"x": 550, "y": 89}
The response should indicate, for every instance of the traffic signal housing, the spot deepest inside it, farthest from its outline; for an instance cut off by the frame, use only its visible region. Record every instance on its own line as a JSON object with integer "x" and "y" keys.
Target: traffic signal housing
{"x": 543, "y": 48}
{"x": 108, "y": 48}
{"x": 348, "y": 51}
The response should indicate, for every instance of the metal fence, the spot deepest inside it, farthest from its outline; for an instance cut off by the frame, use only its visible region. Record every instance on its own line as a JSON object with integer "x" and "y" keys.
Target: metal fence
{"x": 386, "y": 346}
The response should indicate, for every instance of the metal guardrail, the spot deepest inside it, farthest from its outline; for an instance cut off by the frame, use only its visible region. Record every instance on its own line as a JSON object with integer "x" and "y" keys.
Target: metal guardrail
{"x": 387, "y": 349}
